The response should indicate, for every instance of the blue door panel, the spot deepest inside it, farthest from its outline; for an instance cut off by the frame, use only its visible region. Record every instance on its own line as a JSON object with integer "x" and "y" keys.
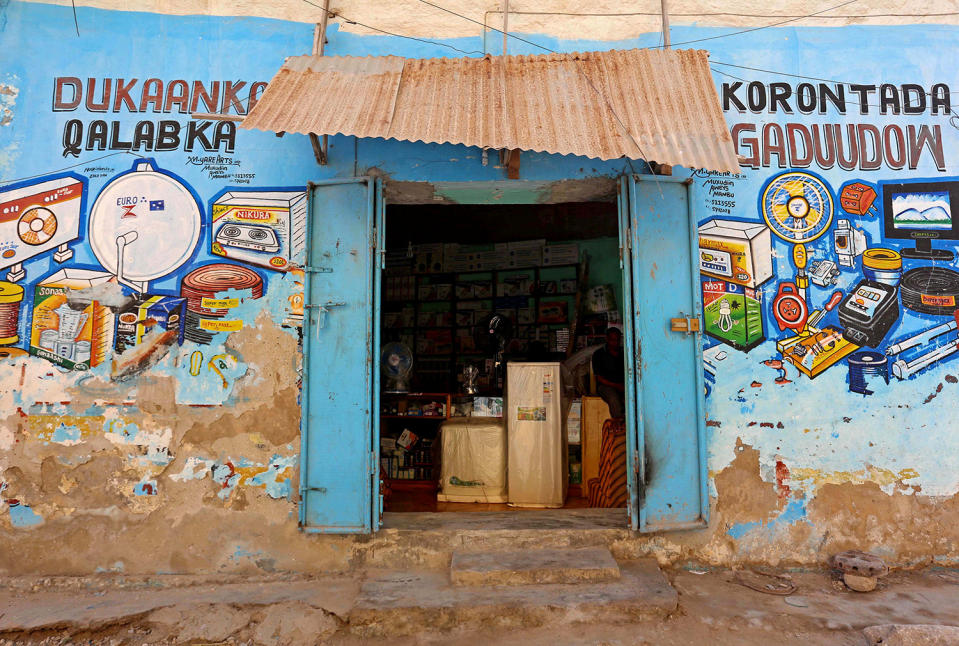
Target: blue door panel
{"x": 336, "y": 467}
{"x": 670, "y": 431}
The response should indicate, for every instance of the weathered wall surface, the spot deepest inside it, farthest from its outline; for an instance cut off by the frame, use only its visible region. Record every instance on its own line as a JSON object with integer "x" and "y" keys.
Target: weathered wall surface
{"x": 177, "y": 451}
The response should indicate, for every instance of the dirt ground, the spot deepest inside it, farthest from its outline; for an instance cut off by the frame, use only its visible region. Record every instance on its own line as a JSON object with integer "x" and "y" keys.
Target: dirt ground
{"x": 714, "y": 610}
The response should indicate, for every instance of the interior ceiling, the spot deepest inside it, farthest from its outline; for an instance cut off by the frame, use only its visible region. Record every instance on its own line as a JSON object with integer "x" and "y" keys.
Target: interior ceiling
{"x": 484, "y": 223}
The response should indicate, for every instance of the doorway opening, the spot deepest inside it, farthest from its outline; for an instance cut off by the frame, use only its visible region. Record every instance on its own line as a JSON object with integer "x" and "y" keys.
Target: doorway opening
{"x": 489, "y": 397}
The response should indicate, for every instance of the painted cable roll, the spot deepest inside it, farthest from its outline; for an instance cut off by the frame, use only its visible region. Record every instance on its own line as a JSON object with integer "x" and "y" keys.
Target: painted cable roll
{"x": 882, "y": 265}
{"x": 866, "y": 363}
{"x": 11, "y": 295}
{"x": 205, "y": 283}
{"x": 930, "y": 290}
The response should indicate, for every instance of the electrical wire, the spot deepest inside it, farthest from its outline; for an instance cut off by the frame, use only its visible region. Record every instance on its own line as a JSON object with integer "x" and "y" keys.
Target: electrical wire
{"x": 514, "y": 36}
{"x": 334, "y": 14}
{"x": 775, "y": 24}
{"x": 76, "y": 24}
{"x": 723, "y": 13}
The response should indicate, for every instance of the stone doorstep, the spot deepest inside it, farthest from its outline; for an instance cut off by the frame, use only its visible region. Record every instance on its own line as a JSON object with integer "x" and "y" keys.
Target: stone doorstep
{"x": 524, "y": 567}
{"x": 406, "y": 603}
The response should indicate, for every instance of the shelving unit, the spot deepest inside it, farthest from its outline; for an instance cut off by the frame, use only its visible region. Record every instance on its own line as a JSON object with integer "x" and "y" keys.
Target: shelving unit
{"x": 421, "y": 458}
{"x": 435, "y": 314}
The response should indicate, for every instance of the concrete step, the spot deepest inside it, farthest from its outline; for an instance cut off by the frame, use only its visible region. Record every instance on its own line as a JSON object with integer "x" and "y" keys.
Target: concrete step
{"x": 409, "y": 602}
{"x": 525, "y": 567}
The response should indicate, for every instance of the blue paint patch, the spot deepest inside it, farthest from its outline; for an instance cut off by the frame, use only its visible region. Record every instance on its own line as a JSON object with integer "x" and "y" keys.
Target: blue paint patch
{"x": 22, "y": 515}
{"x": 65, "y": 434}
{"x": 738, "y": 530}
{"x": 145, "y": 488}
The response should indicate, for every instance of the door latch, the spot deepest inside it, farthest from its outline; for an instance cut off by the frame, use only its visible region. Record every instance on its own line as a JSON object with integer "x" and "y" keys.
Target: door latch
{"x": 323, "y": 309}
{"x": 684, "y": 323}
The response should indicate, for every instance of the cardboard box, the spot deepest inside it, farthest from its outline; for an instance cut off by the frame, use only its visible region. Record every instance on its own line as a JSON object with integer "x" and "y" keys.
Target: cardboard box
{"x": 69, "y": 328}
{"x": 738, "y": 252}
{"x": 560, "y": 254}
{"x": 146, "y": 314}
{"x": 263, "y": 228}
{"x": 733, "y": 314}
{"x": 487, "y": 407}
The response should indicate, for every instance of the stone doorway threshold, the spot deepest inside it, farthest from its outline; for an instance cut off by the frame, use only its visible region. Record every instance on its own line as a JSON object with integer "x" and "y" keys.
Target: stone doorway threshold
{"x": 519, "y": 520}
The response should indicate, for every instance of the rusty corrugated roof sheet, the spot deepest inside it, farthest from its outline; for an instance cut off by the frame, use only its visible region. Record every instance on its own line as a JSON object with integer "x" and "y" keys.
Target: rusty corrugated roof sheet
{"x": 657, "y": 105}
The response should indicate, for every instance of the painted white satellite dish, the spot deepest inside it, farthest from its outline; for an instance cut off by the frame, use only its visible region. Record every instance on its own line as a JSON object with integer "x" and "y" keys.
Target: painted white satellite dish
{"x": 144, "y": 225}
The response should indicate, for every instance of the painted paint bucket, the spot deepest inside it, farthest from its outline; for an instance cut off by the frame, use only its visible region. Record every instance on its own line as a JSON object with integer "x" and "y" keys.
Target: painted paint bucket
{"x": 882, "y": 265}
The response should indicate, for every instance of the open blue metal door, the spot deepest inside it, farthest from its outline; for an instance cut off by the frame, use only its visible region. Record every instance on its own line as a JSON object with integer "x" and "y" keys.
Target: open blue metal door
{"x": 667, "y": 414}
{"x": 629, "y": 344}
{"x": 338, "y": 468}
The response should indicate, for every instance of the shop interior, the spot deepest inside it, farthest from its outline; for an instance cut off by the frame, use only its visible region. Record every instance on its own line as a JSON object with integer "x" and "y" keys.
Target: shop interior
{"x": 489, "y": 317}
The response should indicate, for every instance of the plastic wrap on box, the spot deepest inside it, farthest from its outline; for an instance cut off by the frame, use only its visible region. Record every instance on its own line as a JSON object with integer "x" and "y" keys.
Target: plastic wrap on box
{"x": 473, "y": 463}
{"x": 538, "y": 450}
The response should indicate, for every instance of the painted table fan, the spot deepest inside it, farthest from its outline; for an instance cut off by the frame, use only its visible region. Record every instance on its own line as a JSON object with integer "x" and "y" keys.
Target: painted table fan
{"x": 798, "y": 208}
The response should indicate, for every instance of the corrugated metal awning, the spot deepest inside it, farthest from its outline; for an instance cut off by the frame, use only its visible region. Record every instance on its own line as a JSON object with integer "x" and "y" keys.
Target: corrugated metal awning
{"x": 656, "y": 105}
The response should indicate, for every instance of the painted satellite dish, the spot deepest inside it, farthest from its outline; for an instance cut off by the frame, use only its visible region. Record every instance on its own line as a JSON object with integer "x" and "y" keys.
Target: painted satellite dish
{"x": 144, "y": 224}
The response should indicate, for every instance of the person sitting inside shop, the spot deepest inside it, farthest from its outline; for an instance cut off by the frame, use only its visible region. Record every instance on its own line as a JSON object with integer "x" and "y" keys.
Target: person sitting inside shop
{"x": 609, "y": 370}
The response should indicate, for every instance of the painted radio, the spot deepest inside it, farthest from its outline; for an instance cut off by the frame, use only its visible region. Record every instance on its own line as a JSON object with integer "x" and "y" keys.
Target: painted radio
{"x": 261, "y": 227}
{"x": 38, "y": 216}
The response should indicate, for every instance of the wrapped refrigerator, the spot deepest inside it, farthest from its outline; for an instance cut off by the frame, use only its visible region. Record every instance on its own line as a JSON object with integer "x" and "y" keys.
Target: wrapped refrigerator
{"x": 473, "y": 462}
{"x": 538, "y": 474}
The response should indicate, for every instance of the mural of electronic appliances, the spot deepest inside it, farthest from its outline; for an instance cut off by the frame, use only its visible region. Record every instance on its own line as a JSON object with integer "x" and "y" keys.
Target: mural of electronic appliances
{"x": 11, "y": 297}
{"x": 849, "y": 242}
{"x": 811, "y": 349}
{"x": 38, "y": 216}
{"x": 921, "y": 211}
{"x": 735, "y": 258}
{"x": 263, "y": 227}
{"x": 144, "y": 224}
{"x": 904, "y": 368}
{"x": 858, "y": 198}
{"x": 798, "y": 208}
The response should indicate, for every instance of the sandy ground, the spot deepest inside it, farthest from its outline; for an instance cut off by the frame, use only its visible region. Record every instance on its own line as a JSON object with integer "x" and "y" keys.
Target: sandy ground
{"x": 278, "y": 609}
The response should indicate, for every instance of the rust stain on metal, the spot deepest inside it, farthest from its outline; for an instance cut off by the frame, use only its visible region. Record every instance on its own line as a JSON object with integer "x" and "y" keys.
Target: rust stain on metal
{"x": 642, "y": 104}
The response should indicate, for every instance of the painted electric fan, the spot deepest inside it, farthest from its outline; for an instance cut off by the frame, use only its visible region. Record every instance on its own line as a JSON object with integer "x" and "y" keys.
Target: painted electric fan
{"x": 396, "y": 361}
{"x": 798, "y": 207}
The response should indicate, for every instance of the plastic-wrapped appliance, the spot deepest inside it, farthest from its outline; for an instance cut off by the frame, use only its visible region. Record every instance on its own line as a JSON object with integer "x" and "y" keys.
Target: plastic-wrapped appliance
{"x": 538, "y": 475}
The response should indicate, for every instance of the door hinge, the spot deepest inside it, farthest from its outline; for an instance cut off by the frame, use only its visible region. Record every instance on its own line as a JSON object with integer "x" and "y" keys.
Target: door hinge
{"x": 374, "y": 463}
{"x": 629, "y": 238}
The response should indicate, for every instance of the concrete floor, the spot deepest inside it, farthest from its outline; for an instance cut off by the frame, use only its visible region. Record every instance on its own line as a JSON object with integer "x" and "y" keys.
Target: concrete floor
{"x": 287, "y": 609}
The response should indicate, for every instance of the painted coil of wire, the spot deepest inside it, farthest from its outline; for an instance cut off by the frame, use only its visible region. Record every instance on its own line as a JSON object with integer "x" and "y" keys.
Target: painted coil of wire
{"x": 210, "y": 280}
{"x": 11, "y": 295}
{"x": 866, "y": 363}
{"x": 930, "y": 290}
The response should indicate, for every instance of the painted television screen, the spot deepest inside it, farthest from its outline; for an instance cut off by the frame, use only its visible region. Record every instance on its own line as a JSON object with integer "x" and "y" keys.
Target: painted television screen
{"x": 922, "y": 210}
